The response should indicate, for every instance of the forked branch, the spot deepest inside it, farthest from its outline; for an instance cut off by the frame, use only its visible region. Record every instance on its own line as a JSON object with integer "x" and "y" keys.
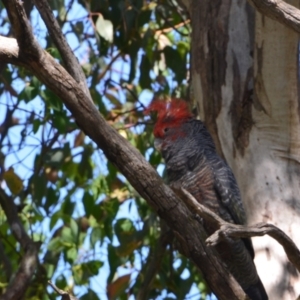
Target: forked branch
{"x": 227, "y": 230}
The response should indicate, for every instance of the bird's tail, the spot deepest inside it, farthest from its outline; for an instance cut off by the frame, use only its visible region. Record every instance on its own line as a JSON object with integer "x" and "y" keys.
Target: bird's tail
{"x": 257, "y": 291}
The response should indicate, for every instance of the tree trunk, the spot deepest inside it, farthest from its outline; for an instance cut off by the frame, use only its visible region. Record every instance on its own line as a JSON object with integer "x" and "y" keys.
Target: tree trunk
{"x": 245, "y": 80}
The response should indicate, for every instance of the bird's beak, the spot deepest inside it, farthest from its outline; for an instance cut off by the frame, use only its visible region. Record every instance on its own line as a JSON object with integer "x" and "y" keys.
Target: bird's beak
{"x": 158, "y": 144}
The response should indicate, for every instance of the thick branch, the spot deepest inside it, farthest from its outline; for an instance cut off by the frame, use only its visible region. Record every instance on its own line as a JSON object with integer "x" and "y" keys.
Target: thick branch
{"x": 21, "y": 281}
{"x": 154, "y": 263}
{"x": 228, "y": 230}
{"x": 6, "y": 262}
{"x": 22, "y": 30}
{"x": 131, "y": 163}
{"x": 14, "y": 221}
{"x": 280, "y": 11}
{"x": 29, "y": 261}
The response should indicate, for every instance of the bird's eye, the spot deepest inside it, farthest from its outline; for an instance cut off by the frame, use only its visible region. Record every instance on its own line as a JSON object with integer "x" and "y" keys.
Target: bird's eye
{"x": 166, "y": 129}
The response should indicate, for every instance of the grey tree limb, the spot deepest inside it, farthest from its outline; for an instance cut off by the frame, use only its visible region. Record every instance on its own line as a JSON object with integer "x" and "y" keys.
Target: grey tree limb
{"x": 280, "y": 11}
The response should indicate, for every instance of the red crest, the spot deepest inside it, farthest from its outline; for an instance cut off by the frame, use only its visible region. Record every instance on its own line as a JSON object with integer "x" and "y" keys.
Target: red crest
{"x": 169, "y": 114}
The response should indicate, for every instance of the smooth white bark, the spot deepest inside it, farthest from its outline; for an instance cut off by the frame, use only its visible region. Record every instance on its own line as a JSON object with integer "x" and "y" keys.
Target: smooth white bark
{"x": 268, "y": 172}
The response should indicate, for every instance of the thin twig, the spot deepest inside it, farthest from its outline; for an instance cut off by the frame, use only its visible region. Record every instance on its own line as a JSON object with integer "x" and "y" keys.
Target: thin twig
{"x": 65, "y": 295}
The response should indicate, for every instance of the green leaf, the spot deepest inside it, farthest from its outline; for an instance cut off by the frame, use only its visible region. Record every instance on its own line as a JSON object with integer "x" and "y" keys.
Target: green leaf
{"x": 52, "y": 100}
{"x": 71, "y": 255}
{"x": 36, "y": 123}
{"x": 93, "y": 266}
{"x": 55, "y": 157}
{"x": 126, "y": 248}
{"x": 35, "y": 82}
{"x": 60, "y": 121}
{"x": 13, "y": 181}
{"x": 96, "y": 235}
{"x": 144, "y": 17}
{"x": 55, "y": 245}
{"x": 74, "y": 229}
{"x": 175, "y": 62}
{"x": 124, "y": 227}
{"x": 114, "y": 261}
{"x": 54, "y": 219}
{"x": 39, "y": 187}
{"x": 28, "y": 93}
{"x": 105, "y": 29}
{"x": 50, "y": 270}
{"x": 89, "y": 203}
{"x": 97, "y": 98}
{"x": 145, "y": 80}
{"x": 51, "y": 198}
{"x": 155, "y": 158}
{"x": 90, "y": 295}
{"x": 85, "y": 167}
{"x": 83, "y": 272}
{"x": 67, "y": 207}
{"x": 54, "y": 52}
{"x": 61, "y": 282}
{"x": 133, "y": 50}
{"x": 183, "y": 49}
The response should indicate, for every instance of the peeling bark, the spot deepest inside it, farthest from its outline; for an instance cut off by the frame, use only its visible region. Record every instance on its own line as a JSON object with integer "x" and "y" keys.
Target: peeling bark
{"x": 241, "y": 106}
{"x": 209, "y": 46}
{"x": 272, "y": 157}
